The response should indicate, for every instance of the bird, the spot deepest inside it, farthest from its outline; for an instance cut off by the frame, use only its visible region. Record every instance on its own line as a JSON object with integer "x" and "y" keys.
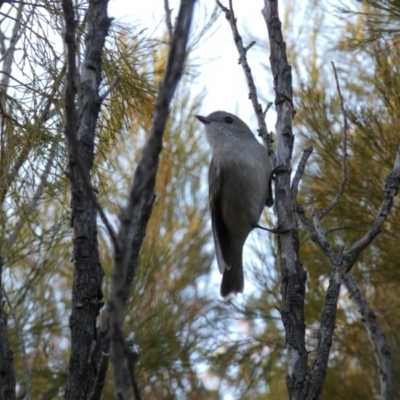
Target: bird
{"x": 239, "y": 180}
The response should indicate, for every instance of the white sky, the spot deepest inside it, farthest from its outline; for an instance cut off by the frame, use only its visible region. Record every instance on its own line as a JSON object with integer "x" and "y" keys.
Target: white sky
{"x": 219, "y": 74}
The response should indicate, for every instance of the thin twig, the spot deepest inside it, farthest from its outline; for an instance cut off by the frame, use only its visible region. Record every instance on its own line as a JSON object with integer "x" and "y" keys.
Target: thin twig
{"x": 267, "y": 107}
{"x": 248, "y": 47}
{"x": 335, "y": 201}
{"x": 391, "y": 189}
{"x": 223, "y": 8}
{"x": 300, "y": 171}
{"x": 24, "y": 356}
{"x": 338, "y": 228}
{"x": 316, "y": 237}
{"x": 33, "y": 202}
{"x": 322, "y": 237}
{"x": 113, "y": 84}
{"x": 242, "y": 50}
{"x": 168, "y": 20}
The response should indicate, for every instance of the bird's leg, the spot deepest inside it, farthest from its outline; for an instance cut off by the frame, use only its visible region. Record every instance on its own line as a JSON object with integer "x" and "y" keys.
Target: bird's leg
{"x": 276, "y": 231}
{"x": 280, "y": 169}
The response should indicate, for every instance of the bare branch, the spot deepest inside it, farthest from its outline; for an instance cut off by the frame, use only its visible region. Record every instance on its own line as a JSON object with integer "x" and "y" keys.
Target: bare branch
{"x": 322, "y": 237}
{"x": 143, "y": 185}
{"x": 391, "y": 188}
{"x": 299, "y": 172}
{"x": 376, "y": 337}
{"x": 248, "y": 47}
{"x": 22, "y": 343}
{"x": 81, "y": 121}
{"x": 294, "y": 277}
{"x": 33, "y": 203}
{"x": 325, "y": 334}
{"x": 242, "y": 50}
{"x": 9, "y": 57}
{"x": 335, "y": 201}
{"x": 338, "y": 228}
{"x": 168, "y": 20}
{"x": 100, "y": 378}
{"x": 114, "y": 83}
{"x": 267, "y": 107}
{"x": 70, "y": 111}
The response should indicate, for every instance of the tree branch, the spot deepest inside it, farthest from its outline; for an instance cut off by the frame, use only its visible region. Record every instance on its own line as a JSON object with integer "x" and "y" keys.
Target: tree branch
{"x": 391, "y": 188}
{"x": 7, "y": 381}
{"x": 333, "y": 203}
{"x": 80, "y": 133}
{"x": 168, "y": 20}
{"x": 299, "y": 172}
{"x": 242, "y": 50}
{"x": 328, "y": 316}
{"x": 142, "y": 188}
{"x": 376, "y": 337}
{"x": 327, "y": 326}
{"x": 292, "y": 272}
{"x": 33, "y": 202}
{"x": 22, "y": 343}
{"x": 70, "y": 111}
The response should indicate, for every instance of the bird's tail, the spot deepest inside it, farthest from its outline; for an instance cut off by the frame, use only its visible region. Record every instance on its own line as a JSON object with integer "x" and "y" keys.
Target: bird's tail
{"x": 233, "y": 280}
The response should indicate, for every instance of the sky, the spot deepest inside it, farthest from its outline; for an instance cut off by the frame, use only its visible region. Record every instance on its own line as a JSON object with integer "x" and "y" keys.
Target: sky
{"x": 219, "y": 74}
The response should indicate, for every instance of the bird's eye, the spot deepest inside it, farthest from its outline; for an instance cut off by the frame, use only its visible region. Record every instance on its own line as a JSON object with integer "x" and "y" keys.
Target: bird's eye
{"x": 228, "y": 120}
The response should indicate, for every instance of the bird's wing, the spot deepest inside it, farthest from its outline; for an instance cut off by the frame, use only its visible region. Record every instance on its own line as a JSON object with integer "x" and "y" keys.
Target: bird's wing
{"x": 220, "y": 232}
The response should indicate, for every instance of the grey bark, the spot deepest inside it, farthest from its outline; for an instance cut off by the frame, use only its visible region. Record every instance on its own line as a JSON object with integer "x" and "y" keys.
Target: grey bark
{"x": 376, "y": 337}
{"x": 80, "y": 133}
{"x": 140, "y": 202}
{"x": 293, "y": 276}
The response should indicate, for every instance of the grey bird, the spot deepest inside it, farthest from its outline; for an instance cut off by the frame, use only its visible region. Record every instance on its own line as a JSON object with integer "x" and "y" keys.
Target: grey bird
{"x": 239, "y": 188}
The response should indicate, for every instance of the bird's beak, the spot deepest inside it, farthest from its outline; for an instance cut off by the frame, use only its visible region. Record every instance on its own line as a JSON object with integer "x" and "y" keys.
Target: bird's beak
{"x": 203, "y": 120}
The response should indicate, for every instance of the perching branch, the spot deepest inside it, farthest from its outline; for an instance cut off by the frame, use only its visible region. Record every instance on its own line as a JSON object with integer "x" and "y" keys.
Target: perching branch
{"x": 333, "y": 203}
{"x": 142, "y": 190}
{"x": 293, "y": 276}
{"x": 242, "y": 50}
{"x": 376, "y": 337}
